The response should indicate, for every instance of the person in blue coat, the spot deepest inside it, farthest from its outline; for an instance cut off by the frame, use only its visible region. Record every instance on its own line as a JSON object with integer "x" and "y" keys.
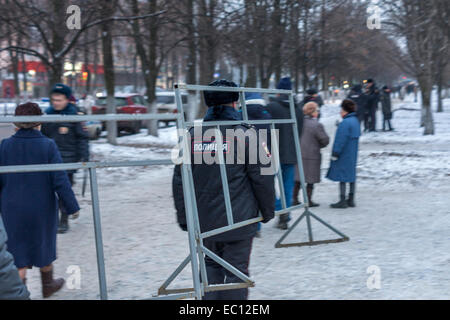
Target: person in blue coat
{"x": 345, "y": 153}
{"x": 29, "y": 201}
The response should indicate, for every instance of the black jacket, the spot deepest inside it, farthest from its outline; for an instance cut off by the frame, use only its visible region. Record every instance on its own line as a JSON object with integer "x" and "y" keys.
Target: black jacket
{"x": 279, "y": 109}
{"x": 250, "y": 192}
{"x": 70, "y": 137}
{"x": 385, "y": 99}
{"x": 360, "y": 100}
{"x": 371, "y": 98}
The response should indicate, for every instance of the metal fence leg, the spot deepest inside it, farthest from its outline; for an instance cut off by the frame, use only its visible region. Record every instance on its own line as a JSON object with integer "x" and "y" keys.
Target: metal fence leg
{"x": 98, "y": 234}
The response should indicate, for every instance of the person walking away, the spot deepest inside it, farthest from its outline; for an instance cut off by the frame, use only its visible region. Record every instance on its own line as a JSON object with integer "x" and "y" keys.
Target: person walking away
{"x": 385, "y": 99}
{"x": 279, "y": 108}
{"x": 313, "y": 139}
{"x": 251, "y": 190}
{"x": 29, "y": 204}
{"x": 345, "y": 154}
{"x": 71, "y": 137}
{"x": 256, "y": 110}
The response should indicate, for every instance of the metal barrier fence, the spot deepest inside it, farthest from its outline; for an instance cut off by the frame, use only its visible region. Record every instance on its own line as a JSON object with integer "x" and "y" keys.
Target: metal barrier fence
{"x": 196, "y": 235}
{"x": 197, "y": 251}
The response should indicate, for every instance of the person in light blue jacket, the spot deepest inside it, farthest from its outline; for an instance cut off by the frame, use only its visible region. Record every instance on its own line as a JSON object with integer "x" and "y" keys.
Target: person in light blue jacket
{"x": 345, "y": 154}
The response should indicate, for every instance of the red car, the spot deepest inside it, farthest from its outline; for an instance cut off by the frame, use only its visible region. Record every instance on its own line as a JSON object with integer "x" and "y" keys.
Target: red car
{"x": 125, "y": 103}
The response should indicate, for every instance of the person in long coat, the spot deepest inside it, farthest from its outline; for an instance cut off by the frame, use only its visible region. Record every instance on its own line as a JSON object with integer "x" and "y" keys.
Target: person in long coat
{"x": 345, "y": 154}
{"x": 312, "y": 140}
{"x": 29, "y": 201}
{"x": 385, "y": 99}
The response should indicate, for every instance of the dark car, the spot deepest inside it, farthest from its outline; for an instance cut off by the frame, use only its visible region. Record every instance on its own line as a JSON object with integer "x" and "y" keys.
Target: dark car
{"x": 125, "y": 104}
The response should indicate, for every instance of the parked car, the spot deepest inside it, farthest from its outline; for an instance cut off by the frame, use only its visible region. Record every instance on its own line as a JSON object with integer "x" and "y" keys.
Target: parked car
{"x": 128, "y": 103}
{"x": 165, "y": 102}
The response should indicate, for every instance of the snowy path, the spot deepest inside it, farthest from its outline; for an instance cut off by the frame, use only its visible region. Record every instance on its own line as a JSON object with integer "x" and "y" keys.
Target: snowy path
{"x": 401, "y": 224}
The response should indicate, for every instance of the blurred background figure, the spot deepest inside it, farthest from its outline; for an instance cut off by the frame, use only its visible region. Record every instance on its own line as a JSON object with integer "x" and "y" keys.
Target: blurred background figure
{"x": 312, "y": 95}
{"x": 357, "y": 96}
{"x": 371, "y": 102}
{"x": 385, "y": 99}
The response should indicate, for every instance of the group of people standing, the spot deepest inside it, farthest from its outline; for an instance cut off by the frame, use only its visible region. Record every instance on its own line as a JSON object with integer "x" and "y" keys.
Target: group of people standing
{"x": 367, "y": 98}
{"x": 30, "y": 202}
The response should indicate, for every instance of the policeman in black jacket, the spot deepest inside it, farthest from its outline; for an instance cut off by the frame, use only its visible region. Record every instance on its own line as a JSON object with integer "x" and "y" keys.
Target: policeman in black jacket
{"x": 71, "y": 137}
{"x": 356, "y": 95}
{"x": 371, "y": 96}
{"x": 250, "y": 191}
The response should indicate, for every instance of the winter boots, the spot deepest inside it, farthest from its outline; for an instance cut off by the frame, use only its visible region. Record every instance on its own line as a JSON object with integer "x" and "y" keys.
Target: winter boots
{"x": 63, "y": 226}
{"x": 283, "y": 221}
{"x": 351, "y": 200}
{"x": 342, "y": 204}
{"x": 50, "y": 285}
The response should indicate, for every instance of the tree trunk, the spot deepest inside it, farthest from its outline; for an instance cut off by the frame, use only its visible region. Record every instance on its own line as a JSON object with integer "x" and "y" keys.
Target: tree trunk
{"x": 440, "y": 107}
{"x": 108, "y": 63}
{"x": 191, "y": 73}
{"x": 427, "y": 115}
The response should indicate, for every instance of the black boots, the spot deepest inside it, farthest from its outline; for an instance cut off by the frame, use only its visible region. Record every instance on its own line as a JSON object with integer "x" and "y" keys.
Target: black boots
{"x": 295, "y": 201}
{"x": 283, "y": 221}
{"x": 63, "y": 226}
{"x": 50, "y": 285}
{"x": 351, "y": 200}
{"x": 342, "y": 204}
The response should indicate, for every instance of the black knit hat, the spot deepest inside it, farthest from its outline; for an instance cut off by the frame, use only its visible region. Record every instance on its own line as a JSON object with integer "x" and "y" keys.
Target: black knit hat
{"x": 311, "y": 91}
{"x": 217, "y": 98}
{"x": 62, "y": 89}
{"x": 27, "y": 109}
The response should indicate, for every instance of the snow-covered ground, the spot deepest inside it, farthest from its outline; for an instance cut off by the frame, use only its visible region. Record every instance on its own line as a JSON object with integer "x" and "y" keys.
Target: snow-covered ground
{"x": 400, "y": 224}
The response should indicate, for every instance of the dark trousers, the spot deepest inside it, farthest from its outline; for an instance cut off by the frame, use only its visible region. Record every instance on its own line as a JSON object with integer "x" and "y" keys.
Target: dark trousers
{"x": 372, "y": 118}
{"x": 64, "y": 216}
{"x": 236, "y": 253}
{"x": 366, "y": 121}
{"x": 388, "y": 122}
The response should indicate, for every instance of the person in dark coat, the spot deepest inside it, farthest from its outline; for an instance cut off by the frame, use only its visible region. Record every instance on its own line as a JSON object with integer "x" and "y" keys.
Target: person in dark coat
{"x": 251, "y": 191}
{"x": 358, "y": 97}
{"x": 313, "y": 139}
{"x": 371, "y": 97}
{"x": 11, "y": 285}
{"x": 256, "y": 110}
{"x": 71, "y": 138}
{"x": 385, "y": 99}
{"x": 312, "y": 95}
{"x": 345, "y": 154}
{"x": 29, "y": 201}
{"x": 279, "y": 109}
